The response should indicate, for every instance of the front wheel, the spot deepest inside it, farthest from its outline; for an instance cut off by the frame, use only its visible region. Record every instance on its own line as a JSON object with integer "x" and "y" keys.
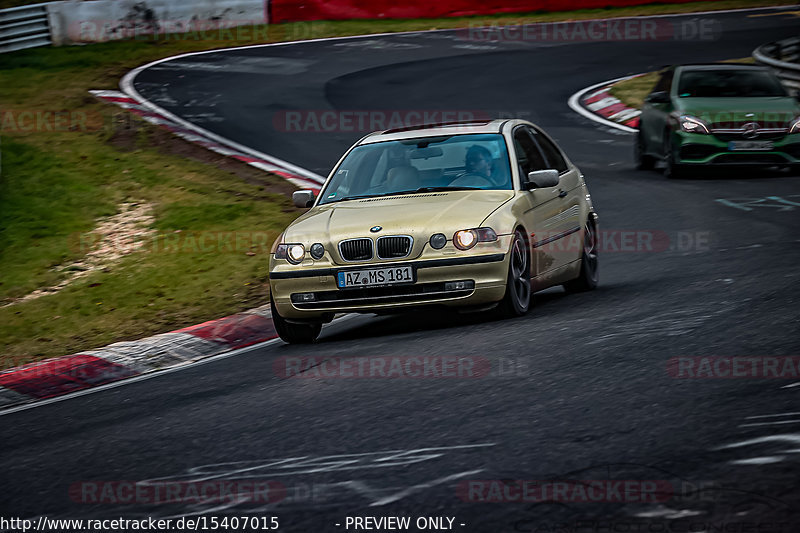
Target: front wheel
{"x": 517, "y": 299}
{"x": 588, "y": 277}
{"x": 672, "y": 169}
{"x": 643, "y": 161}
{"x": 294, "y": 333}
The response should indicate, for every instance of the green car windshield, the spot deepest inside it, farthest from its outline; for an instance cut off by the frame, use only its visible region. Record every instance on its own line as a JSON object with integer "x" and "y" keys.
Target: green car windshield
{"x": 729, "y": 83}
{"x": 426, "y": 164}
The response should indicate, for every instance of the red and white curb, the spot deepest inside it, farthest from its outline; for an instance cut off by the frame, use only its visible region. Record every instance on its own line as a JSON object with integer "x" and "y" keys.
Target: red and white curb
{"x": 300, "y": 177}
{"x": 596, "y": 103}
{"x": 122, "y": 360}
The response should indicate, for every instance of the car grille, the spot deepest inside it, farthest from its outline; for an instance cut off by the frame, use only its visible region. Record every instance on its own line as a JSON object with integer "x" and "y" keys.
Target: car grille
{"x": 394, "y": 247}
{"x": 737, "y": 136}
{"x": 735, "y": 131}
{"x": 356, "y": 249}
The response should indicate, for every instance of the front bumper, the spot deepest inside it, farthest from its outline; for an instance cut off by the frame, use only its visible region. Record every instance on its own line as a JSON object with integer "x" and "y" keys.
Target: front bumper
{"x": 714, "y": 149}
{"x": 485, "y": 276}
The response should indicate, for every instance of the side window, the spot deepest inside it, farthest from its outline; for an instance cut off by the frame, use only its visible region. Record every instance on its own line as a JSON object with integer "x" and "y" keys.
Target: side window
{"x": 552, "y": 153}
{"x": 528, "y": 156}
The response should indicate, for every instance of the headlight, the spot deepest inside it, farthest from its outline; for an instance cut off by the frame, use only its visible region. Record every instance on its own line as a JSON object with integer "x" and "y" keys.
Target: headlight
{"x": 691, "y": 124}
{"x": 467, "y": 238}
{"x": 317, "y": 251}
{"x": 794, "y": 127}
{"x": 294, "y": 253}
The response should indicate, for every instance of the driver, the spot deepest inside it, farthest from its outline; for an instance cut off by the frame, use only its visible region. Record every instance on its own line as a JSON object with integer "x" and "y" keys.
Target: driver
{"x": 478, "y": 165}
{"x": 478, "y": 161}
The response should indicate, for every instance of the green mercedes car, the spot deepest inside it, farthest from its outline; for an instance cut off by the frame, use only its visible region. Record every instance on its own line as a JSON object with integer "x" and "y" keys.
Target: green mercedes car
{"x": 715, "y": 115}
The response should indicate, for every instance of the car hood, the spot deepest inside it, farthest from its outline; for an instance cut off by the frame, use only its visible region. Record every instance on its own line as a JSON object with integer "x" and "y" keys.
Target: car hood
{"x": 417, "y": 215}
{"x": 736, "y": 110}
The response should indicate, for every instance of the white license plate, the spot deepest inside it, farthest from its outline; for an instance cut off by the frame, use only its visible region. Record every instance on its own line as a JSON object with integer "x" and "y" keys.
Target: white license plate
{"x": 753, "y": 146}
{"x": 375, "y": 276}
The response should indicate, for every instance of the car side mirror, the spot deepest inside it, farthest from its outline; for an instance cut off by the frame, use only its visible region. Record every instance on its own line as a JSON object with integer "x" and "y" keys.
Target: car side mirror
{"x": 658, "y": 97}
{"x": 541, "y": 179}
{"x": 304, "y": 198}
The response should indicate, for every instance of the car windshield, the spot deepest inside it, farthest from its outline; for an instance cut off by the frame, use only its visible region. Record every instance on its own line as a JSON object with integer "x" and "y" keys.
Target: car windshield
{"x": 453, "y": 162}
{"x": 728, "y": 83}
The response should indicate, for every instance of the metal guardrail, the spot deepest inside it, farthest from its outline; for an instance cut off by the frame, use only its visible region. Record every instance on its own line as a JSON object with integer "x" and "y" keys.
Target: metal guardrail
{"x": 784, "y": 58}
{"x": 24, "y": 27}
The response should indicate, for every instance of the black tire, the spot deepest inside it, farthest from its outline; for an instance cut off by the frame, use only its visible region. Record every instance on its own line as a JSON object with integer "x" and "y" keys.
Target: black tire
{"x": 517, "y": 299}
{"x": 672, "y": 170}
{"x": 588, "y": 277}
{"x": 643, "y": 161}
{"x": 294, "y": 333}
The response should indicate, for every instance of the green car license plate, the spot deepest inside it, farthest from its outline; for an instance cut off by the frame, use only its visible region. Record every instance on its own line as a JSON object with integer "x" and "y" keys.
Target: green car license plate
{"x": 752, "y": 146}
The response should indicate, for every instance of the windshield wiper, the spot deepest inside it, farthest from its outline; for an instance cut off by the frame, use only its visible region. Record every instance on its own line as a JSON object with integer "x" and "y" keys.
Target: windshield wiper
{"x": 447, "y": 188}
{"x": 362, "y": 196}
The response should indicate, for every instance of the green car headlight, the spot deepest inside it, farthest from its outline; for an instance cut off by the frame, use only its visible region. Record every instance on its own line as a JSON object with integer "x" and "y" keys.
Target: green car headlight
{"x": 691, "y": 124}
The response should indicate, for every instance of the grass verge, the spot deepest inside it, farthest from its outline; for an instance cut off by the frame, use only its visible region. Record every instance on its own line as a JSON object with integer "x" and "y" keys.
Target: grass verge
{"x": 213, "y": 228}
{"x": 58, "y": 180}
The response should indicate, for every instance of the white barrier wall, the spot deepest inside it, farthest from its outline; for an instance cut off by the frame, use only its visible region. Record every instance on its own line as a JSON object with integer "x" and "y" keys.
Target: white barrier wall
{"x": 75, "y": 21}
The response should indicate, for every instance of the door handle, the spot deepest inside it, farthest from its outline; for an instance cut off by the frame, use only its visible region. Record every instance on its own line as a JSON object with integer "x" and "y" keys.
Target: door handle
{"x": 561, "y": 194}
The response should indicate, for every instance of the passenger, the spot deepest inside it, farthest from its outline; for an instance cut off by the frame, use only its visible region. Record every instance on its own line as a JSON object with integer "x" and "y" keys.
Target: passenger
{"x": 402, "y": 178}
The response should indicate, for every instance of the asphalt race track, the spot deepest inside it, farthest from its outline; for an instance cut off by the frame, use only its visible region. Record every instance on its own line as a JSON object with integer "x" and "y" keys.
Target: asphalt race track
{"x": 579, "y": 389}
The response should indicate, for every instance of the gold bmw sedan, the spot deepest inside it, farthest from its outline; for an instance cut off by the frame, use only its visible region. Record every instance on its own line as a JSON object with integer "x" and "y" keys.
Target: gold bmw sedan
{"x": 471, "y": 215}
